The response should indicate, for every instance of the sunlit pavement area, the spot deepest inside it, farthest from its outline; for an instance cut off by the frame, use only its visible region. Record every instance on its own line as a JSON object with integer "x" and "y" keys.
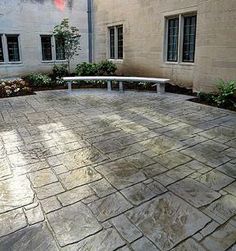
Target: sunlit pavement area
{"x": 94, "y": 170}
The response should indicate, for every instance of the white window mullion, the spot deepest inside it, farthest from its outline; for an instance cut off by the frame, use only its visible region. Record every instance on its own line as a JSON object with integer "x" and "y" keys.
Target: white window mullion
{"x": 180, "y": 40}
{"x": 53, "y": 43}
{"x": 5, "y": 50}
{"x": 116, "y": 42}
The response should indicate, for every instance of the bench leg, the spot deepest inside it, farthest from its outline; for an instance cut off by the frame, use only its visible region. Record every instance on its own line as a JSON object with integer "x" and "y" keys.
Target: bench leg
{"x": 109, "y": 86}
{"x": 69, "y": 86}
{"x": 160, "y": 88}
{"x": 121, "y": 89}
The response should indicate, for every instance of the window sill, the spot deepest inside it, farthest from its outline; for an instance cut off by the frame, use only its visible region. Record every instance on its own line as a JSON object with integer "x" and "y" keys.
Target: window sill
{"x": 48, "y": 62}
{"x": 11, "y": 63}
{"x": 186, "y": 64}
{"x": 118, "y": 61}
{"x": 179, "y": 63}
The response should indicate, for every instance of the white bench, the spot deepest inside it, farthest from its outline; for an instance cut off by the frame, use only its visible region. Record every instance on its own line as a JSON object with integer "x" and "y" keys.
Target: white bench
{"x": 159, "y": 82}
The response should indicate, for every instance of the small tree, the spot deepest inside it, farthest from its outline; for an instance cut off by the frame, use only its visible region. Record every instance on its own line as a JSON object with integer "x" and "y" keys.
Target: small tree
{"x": 70, "y": 38}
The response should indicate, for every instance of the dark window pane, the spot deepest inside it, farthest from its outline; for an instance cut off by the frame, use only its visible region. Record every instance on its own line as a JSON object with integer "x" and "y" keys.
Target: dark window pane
{"x": 189, "y": 38}
{"x": 46, "y": 48}
{"x": 60, "y": 48}
{"x": 13, "y": 48}
{"x": 1, "y": 50}
{"x": 112, "y": 43}
{"x": 120, "y": 42}
{"x": 173, "y": 35}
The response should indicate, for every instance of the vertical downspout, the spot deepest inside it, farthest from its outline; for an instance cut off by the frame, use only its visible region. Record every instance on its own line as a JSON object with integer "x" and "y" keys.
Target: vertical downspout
{"x": 90, "y": 31}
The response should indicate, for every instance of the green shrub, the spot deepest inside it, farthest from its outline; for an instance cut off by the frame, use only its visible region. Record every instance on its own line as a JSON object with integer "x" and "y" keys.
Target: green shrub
{"x": 103, "y": 68}
{"x": 206, "y": 97}
{"x": 225, "y": 96}
{"x": 86, "y": 69}
{"x": 106, "y": 68}
{"x": 38, "y": 80}
{"x": 59, "y": 71}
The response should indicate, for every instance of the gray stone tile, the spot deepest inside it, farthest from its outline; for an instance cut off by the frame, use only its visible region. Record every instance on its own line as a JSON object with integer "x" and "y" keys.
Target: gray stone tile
{"x": 222, "y": 239}
{"x": 49, "y": 190}
{"x": 161, "y": 145}
{"x": 5, "y": 168}
{"x": 128, "y": 231}
{"x": 75, "y": 195}
{"x": 30, "y": 168}
{"x": 198, "y": 166}
{"x": 106, "y": 240}
{"x": 34, "y": 215}
{"x": 121, "y": 174}
{"x": 156, "y": 188}
{"x": 36, "y": 237}
{"x": 138, "y": 193}
{"x": 208, "y": 154}
{"x": 231, "y": 188}
{"x": 139, "y": 160}
{"x": 79, "y": 177}
{"x": 82, "y": 157}
{"x": 215, "y": 180}
{"x": 167, "y": 220}
{"x": 194, "y": 192}
{"x": 12, "y": 221}
{"x": 172, "y": 159}
{"x": 153, "y": 170}
{"x": 189, "y": 245}
{"x": 144, "y": 244}
{"x": 15, "y": 192}
{"x": 42, "y": 177}
{"x": 50, "y": 204}
{"x": 109, "y": 207}
{"x": 73, "y": 223}
{"x": 102, "y": 188}
{"x": 229, "y": 169}
{"x": 224, "y": 207}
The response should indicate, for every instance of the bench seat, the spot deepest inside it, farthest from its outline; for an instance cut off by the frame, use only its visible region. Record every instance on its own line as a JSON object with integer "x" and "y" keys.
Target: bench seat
{"x": 158, "y": 82}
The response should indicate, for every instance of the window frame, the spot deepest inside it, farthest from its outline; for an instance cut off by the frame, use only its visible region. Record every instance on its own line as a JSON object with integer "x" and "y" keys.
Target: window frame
{"x": 50, "y": 36}
{"x": 116, "y": 43}
{"x": 3, "y": 53}
{"x": 55, "y": 41}
{"x": 53, "y": 50}
{"x": 181, "y": 17}
{"x": 3, "y": 37}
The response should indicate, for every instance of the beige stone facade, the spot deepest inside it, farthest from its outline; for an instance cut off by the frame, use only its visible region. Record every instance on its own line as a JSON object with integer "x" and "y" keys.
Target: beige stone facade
{"x": 144, "y": 24}
{"x": 32, "y": 18}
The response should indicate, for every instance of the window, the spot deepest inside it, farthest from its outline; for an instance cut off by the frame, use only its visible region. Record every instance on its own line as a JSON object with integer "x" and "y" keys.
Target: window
{"x": 1, "y": 50}
{"x": 173, "y": 35}
{"x": 60, "y": 48}
{"x": 189, "y": 38}
{"x": 181, "y": 38}
{"x": 13, "y": 48}
{"x": 112, "y": 43}
{"x": 116, "y": 42}
{"x": 120, "y": 42}
{"x": 46, "y": 48}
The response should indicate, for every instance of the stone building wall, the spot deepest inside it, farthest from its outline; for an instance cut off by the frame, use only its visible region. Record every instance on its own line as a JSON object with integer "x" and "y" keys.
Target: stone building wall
{"x": 32, "y": 18}
{"x": 144, "y": 39}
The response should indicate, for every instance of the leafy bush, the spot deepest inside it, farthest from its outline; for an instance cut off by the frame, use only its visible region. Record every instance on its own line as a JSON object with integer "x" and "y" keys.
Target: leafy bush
{"x": 106, "y": 68}
{"x": 226, "y": 93}
{"x": 206, "y": 97}
{"x": 86, "y": 69}
{"x": 38, "y": 80}
{"x": 14, "y": 88}
{"x": 59, "y": 71}
{"x": 103, "y": 68}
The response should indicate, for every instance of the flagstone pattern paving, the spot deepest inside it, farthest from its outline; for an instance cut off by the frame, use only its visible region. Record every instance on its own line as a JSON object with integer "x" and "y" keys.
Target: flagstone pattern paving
{"x": 100, "y": 171}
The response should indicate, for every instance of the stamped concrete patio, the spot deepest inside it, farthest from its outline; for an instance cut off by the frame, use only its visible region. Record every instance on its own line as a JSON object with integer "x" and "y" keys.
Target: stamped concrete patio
{"x": 108, "y": 171}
